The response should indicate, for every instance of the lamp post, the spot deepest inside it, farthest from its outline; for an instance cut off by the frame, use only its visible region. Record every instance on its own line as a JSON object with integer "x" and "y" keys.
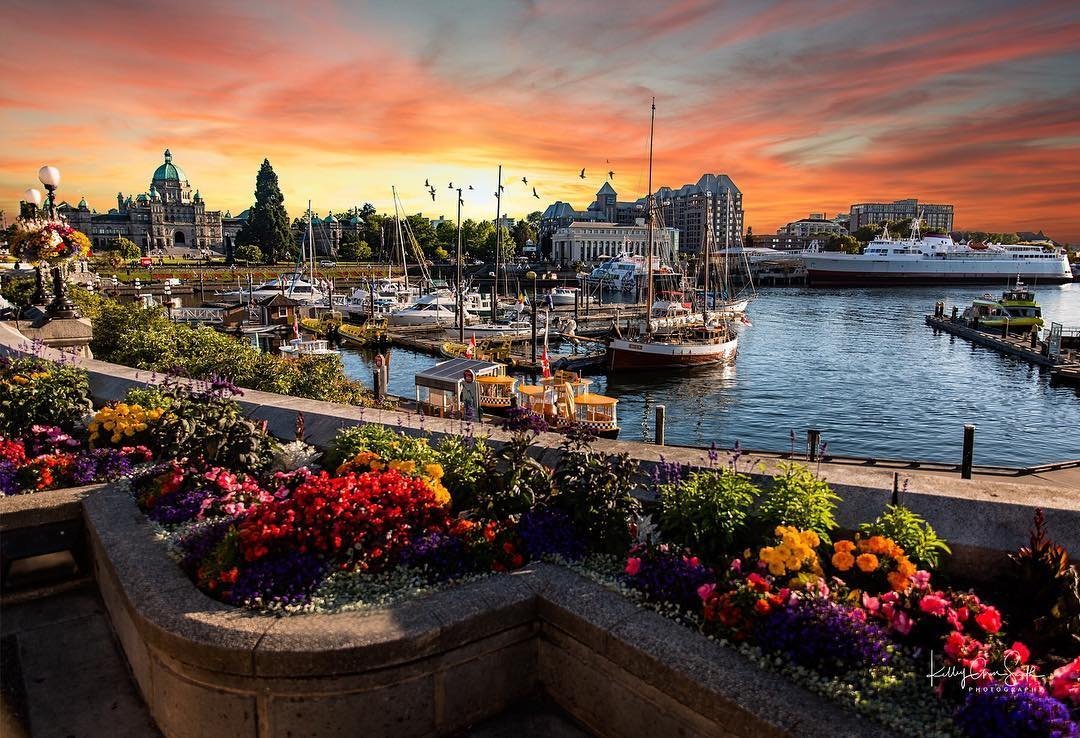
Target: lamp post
{"x": 61, "y": 306}
{"x": 532, "y": 275}
{"x": 32, "y": 197}
{"x": 50, "y": 177}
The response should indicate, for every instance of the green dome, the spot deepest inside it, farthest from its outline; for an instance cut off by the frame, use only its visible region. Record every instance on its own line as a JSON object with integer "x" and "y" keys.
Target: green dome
{"x": 169, "y": 171}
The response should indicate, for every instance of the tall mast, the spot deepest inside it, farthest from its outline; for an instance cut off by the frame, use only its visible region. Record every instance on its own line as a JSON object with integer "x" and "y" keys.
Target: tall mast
{"x": 460, "y": 288}
{"x": 648, "y": 230}
{"x": 311, "y": 246}
{"x": 727, "y": 244}
{"x": 498, "y": 230}
{"x": 400, "y": 238}
{"x": 705, "y": 256}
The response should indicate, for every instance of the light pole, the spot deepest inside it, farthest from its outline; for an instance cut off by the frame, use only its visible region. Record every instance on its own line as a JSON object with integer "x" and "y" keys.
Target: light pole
{"x": 61, "y": 306}
{"x": 32, "y": 197}
{"x": 532, "y": 275}
{"x": 460, "y": 290}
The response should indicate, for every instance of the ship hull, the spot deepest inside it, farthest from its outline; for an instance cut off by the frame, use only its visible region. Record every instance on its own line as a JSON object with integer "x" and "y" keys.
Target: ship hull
{"x": 838, "y": 278}
{"x": 624, "y": 355}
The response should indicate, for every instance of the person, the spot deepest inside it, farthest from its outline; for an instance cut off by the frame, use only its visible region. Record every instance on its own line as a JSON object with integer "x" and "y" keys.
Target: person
{"x": 549, "y": 301}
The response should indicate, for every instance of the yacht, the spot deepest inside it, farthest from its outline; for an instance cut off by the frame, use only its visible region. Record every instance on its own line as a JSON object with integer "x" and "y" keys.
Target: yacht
{"x": 301, "y": 347}
{"x": 293, "y": 285}
{"x": 1017, "y": 308}
{"x": 431, "y": 310}
{"x": 934, "y": 258}
{"x": 621, "y": 272}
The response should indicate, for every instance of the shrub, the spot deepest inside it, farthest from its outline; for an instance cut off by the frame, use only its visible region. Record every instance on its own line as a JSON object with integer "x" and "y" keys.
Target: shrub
{"x": 799, "y": 498}
{"x": 909, "y": 531}
{"x": 512, "y": 482}
{"x": 707, "y": 511}
{"x": 463, "y": 460}
{"x": 1013, "y": 714}
{"x": 36, "y": 391}
{"x": 597, "y": 493}
{"x": 380, "y": 440}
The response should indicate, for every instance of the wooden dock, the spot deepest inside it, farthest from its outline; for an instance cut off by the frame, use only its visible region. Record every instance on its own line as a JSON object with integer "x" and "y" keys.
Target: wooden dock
{"x": 1012, "y": 345}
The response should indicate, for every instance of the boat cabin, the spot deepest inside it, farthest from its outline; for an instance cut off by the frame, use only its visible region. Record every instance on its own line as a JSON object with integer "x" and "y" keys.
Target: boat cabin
{"x": 597, "y": 413}
{"x": 438, "y": 389}
{"x": 496, "y": 392}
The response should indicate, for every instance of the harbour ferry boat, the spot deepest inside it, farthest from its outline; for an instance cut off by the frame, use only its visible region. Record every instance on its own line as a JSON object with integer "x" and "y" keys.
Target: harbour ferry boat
{"x": 934, "y": 258}
{"x": 1017, "y": 307}
{"x": 621, "y": 272}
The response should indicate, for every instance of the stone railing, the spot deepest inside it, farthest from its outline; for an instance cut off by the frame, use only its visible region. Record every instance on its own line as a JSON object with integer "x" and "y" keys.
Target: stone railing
{"x": 432, "y": 665}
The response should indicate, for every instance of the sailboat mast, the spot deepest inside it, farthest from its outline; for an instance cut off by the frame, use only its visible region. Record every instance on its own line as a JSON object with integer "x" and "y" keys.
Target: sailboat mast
{"x": 648, "y": 230}
{"x": 460, "y": 287}
{"x": 311, "y": 246}
{"x": 727, "y": 244}
{"x": 400, "y": 238}
{"x": 706, "y": 257}
{"x": 498, "y": 230}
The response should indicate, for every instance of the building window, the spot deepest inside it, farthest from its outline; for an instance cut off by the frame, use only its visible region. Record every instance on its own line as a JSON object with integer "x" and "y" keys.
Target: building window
{"x": 283, "y": 312}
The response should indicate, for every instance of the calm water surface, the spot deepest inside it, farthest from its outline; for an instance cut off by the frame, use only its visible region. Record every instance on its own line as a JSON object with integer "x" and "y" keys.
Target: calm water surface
{"x": 859, "y": 364}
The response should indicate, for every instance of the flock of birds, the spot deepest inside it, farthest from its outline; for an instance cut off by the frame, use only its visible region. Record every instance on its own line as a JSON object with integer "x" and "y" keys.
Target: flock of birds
{"x": 498, "y": 194}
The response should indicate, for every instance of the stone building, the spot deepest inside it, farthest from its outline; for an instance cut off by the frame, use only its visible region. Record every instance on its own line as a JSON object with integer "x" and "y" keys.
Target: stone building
{"x": 816, "y": 223}
{"x": 939, "y": 218}
{"x": 692, "y": 210}
{"x": 590, "y": 241}
{"x": 171, "y": 218}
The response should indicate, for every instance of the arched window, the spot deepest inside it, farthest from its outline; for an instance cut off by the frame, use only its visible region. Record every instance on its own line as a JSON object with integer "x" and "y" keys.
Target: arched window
{"x": 178, "y": 238}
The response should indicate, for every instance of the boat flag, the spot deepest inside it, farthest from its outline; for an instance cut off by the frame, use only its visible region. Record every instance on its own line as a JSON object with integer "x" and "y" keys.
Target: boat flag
{"x": 470, "y": 352}
{"x": 545, "y": 365}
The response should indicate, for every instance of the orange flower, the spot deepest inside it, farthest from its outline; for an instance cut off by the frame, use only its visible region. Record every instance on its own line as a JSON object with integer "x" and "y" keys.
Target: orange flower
{"x": 843, "y": 560}
{"x": 904, "y": 567}
{"x": 897, "y": 581}
{"x": 878, "y": 544}
{"x": 867, "y": 562}
{"x": 844, "y": 546}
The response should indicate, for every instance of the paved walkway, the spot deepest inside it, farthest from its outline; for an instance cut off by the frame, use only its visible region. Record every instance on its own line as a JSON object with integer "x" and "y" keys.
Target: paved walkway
{"x": 61, "y": 670}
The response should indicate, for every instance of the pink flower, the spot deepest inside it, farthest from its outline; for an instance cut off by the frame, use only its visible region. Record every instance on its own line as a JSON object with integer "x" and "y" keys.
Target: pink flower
{"x": 890, "y": 598}
{"x": 692, "y": 560}
{"x": 705, "y": 590}
{"x": 989, "y": 620}
{"x": 736, "y": 566}
{"x": 962, "y": 614}
{"x": 901, "y": 623}
{"x": 921, "y": 579}
{"x": 633, "y": 566}
{"x": 873, "y": 604}
{"x": 933, "y": 604}
{"x": 1065, "y": 683}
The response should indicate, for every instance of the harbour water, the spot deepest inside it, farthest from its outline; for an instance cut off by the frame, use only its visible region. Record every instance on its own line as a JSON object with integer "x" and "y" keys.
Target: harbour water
{"x": 860, "y": 365}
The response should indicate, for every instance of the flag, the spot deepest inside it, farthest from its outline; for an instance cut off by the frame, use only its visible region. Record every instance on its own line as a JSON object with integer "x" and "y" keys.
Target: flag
{"x": 545, "y": 365}
{"x": 470, "y": 352}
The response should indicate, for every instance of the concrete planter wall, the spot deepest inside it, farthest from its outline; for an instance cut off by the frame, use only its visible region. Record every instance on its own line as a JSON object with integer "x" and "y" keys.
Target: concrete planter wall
{"x": 428, "y": 666}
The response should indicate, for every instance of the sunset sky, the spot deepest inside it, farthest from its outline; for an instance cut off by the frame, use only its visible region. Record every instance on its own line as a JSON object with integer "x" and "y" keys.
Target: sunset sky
{"x": 808, "y": 106}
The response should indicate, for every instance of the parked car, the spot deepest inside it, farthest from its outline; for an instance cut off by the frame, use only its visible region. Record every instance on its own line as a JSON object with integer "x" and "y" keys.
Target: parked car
{"x": 327, "y": 263}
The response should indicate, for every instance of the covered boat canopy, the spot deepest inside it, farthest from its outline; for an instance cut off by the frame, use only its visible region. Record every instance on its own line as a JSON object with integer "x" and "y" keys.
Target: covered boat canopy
{"x": 447, "y": 375}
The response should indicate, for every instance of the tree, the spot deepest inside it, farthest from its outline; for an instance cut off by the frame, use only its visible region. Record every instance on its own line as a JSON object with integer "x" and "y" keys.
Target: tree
{"x": 441, "y": 254}
{"x": 839, "y": 242}
{"x": 748, "y": 240}
{"x": 424, "y": 233}
{"x": 124, "y": 248}
{"x": 522, "y": 232}
{"x": 268, "y": 223}
{"x": 507, "y": 246}
{"x": 249, "y": 252}
{"x": 352, "y": 248}
{"x": 867, "y": 233}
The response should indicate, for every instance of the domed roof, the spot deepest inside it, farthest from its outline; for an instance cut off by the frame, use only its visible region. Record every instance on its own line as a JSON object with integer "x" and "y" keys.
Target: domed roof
{"x": 330, "y": 218}
{"x": 169, "y": 171}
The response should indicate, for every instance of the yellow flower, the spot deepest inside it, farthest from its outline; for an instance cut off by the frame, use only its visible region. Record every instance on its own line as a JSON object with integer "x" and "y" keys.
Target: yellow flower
{"x": 442, "y": 494}
{"x": 435, "y": 471}
{"x": 867, "y": 562}
{"x": 115, "y": 438}
{"x": 776, "y": 568}
{"x": 843, "y": 560}
{"x": 904, "y": 567}
{"x": 20, "y": 379}
{"x": 405, "y": 467}
{"x": 811, "y": 539}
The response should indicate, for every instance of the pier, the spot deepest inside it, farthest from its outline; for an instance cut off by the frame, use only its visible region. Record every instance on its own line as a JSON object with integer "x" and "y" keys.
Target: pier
{"x": 1028, "y": 348}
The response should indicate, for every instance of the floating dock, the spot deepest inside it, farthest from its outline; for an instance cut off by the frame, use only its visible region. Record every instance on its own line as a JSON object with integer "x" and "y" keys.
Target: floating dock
{"x": 1020, "y": 347}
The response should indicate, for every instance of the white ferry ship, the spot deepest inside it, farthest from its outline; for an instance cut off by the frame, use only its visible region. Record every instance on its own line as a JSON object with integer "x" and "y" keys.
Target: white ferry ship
{"x": 935, "y": 258}
{"x": 622, "y": 271}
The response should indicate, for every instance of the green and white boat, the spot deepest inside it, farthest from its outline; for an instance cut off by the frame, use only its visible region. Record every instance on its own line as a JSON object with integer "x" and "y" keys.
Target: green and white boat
{"x": 1017, "y": 306}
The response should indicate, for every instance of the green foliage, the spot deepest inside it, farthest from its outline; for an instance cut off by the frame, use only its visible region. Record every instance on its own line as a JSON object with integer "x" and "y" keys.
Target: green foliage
{"x": 268, "y": 223}
{"x": 522, "y": 232}
{"x": 512, "y": 482}
{"x": 797, "y": 497}
{"x": 707, "y": 512}
{"x": 207, "y": 425}
{"x": 596, "y": 492}
{"x": 867, "y": 233}
{"x": 18, "y": 290}
{"x": 506, "y": 248}
{"x": 36, "y": 391}
{"x": 145, "y": 338}
{"x": 249, "y": 252}
{"x": 913, "y": 534}
{"x": 387, "y": 443}
{"x": 839, "y": 242}
{"x": 352, "y": 248}
{"x": 463, "y": 461}
{"x": 125, "y": 248}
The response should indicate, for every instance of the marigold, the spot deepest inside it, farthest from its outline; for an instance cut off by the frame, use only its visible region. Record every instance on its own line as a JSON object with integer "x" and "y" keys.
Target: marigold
{"x": 867, "y": 562}
{"x": 844, "y": 547}
{"x": 843, "y": 560}
{"x": 897, "y": 581}
{"x": 905, "y": 567}
{"x": 878, "y": 545}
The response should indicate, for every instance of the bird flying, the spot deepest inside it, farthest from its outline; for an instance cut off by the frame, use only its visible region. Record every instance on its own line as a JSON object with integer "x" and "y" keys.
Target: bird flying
{"x": 427, "y": 184}
{"x": 451, "y": 185}
{"x": 524, "y": 180}
{"x": 611, "y": 175}
{"x": 582, "y": 175}
{"x": 535, "y": 195}
{"x": 470, "y": 187}
{"x": 433, "y": 195}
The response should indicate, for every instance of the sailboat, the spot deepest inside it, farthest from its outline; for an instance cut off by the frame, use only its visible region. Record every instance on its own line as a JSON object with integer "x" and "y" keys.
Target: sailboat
{"x": 705, "y": 341}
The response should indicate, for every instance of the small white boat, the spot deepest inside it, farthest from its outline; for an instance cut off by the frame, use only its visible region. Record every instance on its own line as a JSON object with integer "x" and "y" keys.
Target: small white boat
{"x": 434, "y": 310}
{"x": 290, "y": 285}
{"x": 567, "y": 296}
{"x": 301, "y": 347}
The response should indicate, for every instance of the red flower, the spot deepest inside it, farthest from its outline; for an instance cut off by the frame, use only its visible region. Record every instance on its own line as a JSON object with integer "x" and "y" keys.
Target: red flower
{"x": 758, "y": 583}
{"x": 934, "y": 604}
{"x": 989, "y": 620}
{"x": 762, "y": 607}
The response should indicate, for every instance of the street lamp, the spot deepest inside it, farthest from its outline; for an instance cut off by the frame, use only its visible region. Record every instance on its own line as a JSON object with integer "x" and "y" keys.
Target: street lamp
{"x": 50, "y": 177}
{"x": 532, "y": 275}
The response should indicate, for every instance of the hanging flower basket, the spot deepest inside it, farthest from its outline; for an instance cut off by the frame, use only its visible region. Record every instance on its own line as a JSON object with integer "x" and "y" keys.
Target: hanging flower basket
{"x": 48, "y": 242}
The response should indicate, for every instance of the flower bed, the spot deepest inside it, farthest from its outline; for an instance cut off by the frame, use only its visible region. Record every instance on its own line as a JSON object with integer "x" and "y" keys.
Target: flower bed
{"x": 862, "y": 618}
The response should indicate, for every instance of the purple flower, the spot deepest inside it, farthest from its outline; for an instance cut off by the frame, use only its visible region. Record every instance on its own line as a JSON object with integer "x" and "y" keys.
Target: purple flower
{"x": 180, "y": 506}
{"x": 1014, "y": 714}
{"x": 288, "y": 579}
{"x": 713, "y": 454}
{"x": 545, "y": 531}
{"x": 524, "y": 420}
{"x": 9, "y": 482}
{"x": 198, "y": 544}
{"x": 667, "y": 575}
{"x": 441, "y": 554}
{"x": 823, "y": 635}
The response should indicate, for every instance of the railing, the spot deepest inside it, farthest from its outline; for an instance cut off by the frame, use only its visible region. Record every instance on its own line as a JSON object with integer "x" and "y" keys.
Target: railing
{"x": 197, "y": 315}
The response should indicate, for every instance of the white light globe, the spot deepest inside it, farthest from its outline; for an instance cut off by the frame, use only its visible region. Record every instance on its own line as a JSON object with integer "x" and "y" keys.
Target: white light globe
{"x": 32, "y": 195}
{"x": 49, "y": 176}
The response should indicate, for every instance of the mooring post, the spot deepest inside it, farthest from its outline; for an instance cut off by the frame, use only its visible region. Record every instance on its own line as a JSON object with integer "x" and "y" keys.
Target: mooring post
{"x": 969, "y": 451}
{"x": 1005, "y": 329}
{"x": 813, "y": 438}
{"x": 1034, "y": 339}
{"x": 660, "y": 410}
{"x": 955, "y": 309}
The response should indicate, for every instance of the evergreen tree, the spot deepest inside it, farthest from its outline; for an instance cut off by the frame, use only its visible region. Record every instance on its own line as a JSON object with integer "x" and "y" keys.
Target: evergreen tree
{"x": 268, "y": 223}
